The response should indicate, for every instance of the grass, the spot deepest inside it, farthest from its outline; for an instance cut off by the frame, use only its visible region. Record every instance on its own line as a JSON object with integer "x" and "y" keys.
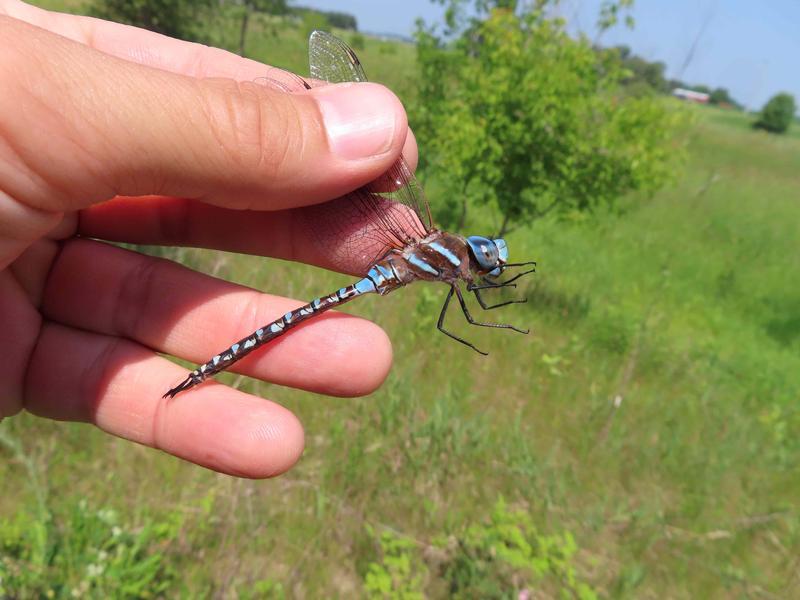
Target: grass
{"x": 651, "y": 418}
{"x": 742, "y": 120}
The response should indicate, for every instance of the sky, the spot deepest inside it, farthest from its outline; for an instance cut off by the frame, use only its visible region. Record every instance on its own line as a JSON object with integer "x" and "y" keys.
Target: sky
{"x": 750, "y": 47}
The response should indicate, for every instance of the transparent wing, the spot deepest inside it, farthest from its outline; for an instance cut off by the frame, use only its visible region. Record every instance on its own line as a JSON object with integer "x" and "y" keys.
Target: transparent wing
{"x": 333, "y": 61}
{"x": 283, "y": 80}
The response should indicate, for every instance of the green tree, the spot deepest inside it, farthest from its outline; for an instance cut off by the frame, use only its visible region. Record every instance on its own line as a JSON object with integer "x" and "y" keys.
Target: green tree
{"x": 642, "y": 72}
{"x": 721, "y": 95}
{"x": 777, "y": 114}
{"x": 520, "y": 116}
{"x": 610, "y": 12}
{"x": 175, "y": 18}
{"x": 650, "y": 73}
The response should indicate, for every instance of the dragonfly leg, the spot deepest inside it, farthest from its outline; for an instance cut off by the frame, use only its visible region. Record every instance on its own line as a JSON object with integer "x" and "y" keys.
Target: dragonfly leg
{"x": 518, "y": 275}
{"x": 440, "y": 324}
{"x": 472, "y": 321}
{"x": 521, "y": 264}
{"x": 489, "y": 285}
{"x": 484, "y": 306}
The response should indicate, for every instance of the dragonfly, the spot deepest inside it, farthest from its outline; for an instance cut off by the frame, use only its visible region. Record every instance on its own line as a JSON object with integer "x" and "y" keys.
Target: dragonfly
{"x": 412, "y": 248}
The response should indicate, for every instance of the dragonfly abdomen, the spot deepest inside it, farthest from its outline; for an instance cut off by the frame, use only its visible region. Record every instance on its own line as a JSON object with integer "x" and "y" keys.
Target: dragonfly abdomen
{"x": 275, "y": 329}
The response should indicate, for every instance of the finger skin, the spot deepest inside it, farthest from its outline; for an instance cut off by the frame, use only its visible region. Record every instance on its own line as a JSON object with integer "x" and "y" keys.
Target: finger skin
{"x": 115, "y": 384}
{"x": 172, "y": 309}
{"x": 19, "y": 323}
{"x": 411, "y": 150}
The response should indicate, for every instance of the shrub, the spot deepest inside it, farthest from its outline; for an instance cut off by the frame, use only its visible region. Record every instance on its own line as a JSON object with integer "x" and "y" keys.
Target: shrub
{"x": 777, "y": 114}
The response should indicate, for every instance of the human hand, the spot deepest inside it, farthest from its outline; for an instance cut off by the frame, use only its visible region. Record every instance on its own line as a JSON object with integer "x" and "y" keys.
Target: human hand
{"x": 111, "y": 132}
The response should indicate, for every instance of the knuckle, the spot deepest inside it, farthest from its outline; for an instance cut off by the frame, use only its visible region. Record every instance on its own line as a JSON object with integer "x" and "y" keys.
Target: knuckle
{"x": 255, "y": 128}
{"x": 20, "y": 225}
{"x": 98, "y": 369}
{"x": 137, "y": 290}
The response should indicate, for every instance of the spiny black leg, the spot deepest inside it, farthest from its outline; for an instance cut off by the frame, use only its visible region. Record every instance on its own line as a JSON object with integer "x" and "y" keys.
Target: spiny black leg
{"x": 440, "y": 324}
{"x": 522, "y": 264}
{"x": 477, "y": 292}
{"x": 518, "y": 275}
{"x": 488, "y": 285}
{"x": 472, "y": 321}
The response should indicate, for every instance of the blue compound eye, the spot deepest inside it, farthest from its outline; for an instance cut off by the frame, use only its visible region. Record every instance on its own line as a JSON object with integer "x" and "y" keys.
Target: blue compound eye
{"x": 485, "y": 252}
{"x": 502, "y": 249}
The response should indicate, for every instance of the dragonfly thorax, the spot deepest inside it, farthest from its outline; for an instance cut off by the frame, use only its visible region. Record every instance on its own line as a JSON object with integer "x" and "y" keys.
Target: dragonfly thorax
{"x": 488, "y": 256}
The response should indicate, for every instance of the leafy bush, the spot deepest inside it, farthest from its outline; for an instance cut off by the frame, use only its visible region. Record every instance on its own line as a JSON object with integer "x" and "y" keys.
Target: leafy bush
{"x": 777, "y": 114}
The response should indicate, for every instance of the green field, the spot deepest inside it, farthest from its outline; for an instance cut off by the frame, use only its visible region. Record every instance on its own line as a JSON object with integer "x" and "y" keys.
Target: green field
{"x": 651, "y": 418}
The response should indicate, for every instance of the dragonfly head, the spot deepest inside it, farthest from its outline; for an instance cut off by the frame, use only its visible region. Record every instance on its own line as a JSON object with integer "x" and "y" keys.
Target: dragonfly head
{"x": 488, "y": 256}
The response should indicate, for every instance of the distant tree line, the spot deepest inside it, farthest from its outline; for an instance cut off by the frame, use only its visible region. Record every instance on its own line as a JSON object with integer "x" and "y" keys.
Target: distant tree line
{"x": 651, "y": 75}
{"x": 644, "y": 76}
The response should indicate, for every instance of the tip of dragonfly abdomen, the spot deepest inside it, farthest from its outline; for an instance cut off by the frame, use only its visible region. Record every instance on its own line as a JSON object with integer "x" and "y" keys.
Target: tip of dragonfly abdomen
{"x": 183, "y": 385}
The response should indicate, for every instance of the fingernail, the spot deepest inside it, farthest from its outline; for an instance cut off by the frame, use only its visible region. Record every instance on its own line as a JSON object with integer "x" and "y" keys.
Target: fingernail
{"x": 359, "y": 118}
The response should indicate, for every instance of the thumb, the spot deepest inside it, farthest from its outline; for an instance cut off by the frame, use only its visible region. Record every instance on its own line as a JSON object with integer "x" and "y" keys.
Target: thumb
{"x": 80, "y": 126}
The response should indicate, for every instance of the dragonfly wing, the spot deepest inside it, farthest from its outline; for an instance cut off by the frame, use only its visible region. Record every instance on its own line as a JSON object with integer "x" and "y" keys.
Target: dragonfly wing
{"x": 331, "y": 60}
{"x": 283, "y": 80}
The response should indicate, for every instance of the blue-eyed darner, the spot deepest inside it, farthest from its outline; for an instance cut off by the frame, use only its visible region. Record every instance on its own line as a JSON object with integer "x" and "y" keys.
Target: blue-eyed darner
{"x": 413, "y": 249}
